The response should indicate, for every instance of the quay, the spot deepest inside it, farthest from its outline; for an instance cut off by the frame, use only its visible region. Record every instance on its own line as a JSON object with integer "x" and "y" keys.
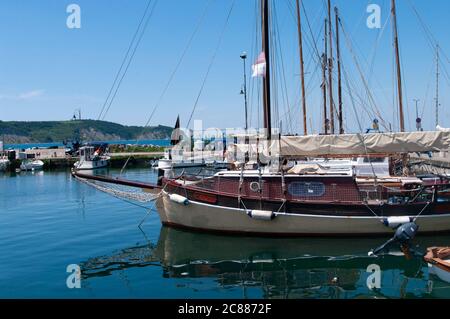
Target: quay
{"x": 135, "y": 159}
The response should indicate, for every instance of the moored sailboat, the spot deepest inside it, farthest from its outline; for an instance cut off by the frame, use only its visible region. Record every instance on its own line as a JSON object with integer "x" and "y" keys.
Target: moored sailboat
{"x": 306, "y": 199}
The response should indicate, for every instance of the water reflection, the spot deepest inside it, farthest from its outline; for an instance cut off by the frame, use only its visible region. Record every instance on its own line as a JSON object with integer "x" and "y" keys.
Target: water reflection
{"x": 277, "y": 268}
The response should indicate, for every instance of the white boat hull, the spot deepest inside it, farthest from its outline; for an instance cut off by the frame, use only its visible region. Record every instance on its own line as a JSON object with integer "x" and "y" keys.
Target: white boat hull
{"x": 168, "y": 164}
{"x": 90, "y": 165}
{"x": 204, "y": 217}
{"x": 32, "y": 166}
{"x": 440, "y": 273}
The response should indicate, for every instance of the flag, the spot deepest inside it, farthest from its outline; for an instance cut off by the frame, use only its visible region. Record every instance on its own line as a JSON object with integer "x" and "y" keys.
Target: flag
{"x": 259, "y": 68}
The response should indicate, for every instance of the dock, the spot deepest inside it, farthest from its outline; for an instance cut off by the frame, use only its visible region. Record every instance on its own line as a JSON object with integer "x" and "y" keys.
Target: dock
{"x": 118, "y": 160}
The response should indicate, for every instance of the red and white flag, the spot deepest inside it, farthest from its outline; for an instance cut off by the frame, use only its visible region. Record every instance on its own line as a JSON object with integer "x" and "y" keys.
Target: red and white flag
{"x": 259, "y": 68}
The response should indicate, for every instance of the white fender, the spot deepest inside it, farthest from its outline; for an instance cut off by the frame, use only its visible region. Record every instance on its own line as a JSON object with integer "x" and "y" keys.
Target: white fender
{"x": 179, "y": 199}
{"x": 395, "y": 221}
{"x": 261, "y": 214}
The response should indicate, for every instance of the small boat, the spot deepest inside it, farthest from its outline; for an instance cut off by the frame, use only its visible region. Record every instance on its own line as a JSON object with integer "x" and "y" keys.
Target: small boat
{"x": 170, "y": 161}
{"x": 4, "y": 163}
{"x": 32, "y": 165}
{"x": 438, "y": 259}
{"x": 91, "y": 158}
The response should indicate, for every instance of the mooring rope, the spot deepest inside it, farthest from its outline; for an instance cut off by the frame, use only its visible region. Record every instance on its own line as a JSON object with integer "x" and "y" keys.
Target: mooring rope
{"x": 140, "y": 197}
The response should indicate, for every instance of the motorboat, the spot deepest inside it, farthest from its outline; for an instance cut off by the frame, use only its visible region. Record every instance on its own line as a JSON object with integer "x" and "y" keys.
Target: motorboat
{"x": 172, "y": 161}
{"x": 91, "y": 158}
{"x": 31, "y": 165}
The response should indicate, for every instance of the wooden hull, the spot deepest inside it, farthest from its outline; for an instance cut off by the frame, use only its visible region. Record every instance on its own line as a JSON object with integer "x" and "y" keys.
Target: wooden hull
{"x": 212, "y": 218}
{"x": 438, "y": 259}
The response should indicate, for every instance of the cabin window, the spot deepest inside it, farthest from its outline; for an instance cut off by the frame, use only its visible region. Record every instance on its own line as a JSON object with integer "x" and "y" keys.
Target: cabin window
{"x": 302, "y": 189}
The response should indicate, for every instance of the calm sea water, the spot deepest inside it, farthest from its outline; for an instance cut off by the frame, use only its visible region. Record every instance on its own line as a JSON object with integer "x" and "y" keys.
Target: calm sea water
{"x": 119, "y": 142}
{"x": 49, "y": 221}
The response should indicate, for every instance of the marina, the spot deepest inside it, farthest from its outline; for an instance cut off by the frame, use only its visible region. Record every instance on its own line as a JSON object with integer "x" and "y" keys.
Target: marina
{"x": 160, "y": 262}
{"x": 297, "y": 167}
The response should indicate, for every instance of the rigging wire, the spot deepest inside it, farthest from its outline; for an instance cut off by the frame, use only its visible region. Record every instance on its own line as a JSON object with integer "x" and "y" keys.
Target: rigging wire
{"x": 172, "y": 75}
{"x": 130, "y": 59}
{"x": 125, "y": 58}
{"x": 177, "y": 66}
{"x": 371, "y": 99}
{"x": 213, "y": 58}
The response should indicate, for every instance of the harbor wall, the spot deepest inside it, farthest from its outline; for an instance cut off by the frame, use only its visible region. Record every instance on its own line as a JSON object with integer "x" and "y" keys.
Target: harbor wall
{"x": 139, "y": 160}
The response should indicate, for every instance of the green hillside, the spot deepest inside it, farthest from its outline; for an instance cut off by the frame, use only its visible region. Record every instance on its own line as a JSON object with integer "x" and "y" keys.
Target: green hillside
{"x": 88, "y": 130}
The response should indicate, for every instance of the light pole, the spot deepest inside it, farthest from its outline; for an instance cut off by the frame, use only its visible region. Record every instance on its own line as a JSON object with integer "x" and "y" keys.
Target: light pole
{"x": 418, "y": 119}
{"x": 244, "y": 92}
{"x": 417, "y": 109}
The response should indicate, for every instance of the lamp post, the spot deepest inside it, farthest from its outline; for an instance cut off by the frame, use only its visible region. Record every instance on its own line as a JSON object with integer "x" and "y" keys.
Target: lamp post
{"x": 417, "y": 109}
{"x": 244, "y": 91}
{"x": 418, "y": 119}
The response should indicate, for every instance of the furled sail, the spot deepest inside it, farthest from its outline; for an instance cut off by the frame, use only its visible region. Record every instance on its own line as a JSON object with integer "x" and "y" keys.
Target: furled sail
{"x": 359, "y": 144}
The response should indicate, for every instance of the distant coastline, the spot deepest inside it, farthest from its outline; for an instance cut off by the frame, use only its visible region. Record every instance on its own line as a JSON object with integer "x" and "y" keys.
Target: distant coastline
{"x": 54, "y": 133}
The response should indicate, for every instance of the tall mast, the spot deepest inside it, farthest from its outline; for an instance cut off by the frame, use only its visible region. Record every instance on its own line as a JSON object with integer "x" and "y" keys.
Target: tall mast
{"x": 330, "y": 69}
{"x": 338, "y": 52}
{"x": 302, "y": 68}
{"x": 399, "y": 72}
{"x": 324, "y": 82}
{"x": 266, "y": 50}
{"x": 437, "y": 85}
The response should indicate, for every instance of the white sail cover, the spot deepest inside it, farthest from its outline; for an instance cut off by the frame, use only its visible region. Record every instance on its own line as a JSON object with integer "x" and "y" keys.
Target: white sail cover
{"x": 360, "y": 144}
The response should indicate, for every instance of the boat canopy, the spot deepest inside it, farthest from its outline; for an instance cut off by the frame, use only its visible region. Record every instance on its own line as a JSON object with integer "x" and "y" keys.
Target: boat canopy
{"x": 358, "y": 144}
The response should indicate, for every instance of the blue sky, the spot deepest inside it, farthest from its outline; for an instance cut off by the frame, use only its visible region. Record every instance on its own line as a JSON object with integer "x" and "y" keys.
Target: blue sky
{"x": 47, "y": 70}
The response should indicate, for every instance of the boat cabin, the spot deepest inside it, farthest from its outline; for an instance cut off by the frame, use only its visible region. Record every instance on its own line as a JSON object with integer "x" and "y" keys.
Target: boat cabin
{"x": 88, "y": 153}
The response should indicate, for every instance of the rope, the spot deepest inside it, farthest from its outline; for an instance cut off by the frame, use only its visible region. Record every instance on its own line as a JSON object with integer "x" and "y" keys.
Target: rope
{"x": 369, "y": 94}
{"x": 127, "y": 196}
{"x": 172, "y": 76}
{"x": 426, "y": 206}
{"x": 213, "y": 58}
{"x": 125, "y": 59}
{"x": 130, "y": 60}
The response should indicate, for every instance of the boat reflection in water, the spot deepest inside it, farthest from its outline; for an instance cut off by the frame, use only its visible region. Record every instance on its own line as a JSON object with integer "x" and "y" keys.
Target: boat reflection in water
{"x": 278, "y": 268}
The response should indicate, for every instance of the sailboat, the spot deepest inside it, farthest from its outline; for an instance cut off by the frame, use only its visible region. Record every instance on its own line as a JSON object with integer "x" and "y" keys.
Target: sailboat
{"x": 306, "y": 200}
{"x": 178, "y": 160}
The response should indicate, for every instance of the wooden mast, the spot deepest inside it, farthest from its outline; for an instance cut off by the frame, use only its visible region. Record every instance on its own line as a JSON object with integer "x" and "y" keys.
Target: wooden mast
{"x": 338, "y": 52}
{"x": 266, "y": 50}
{"x": 437, "y": 85}
{"x": 324, "y": 82}
{"x": 302, "y": 68}
{"x": 330, "y": 69}
{"x": 399, "y": 72}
